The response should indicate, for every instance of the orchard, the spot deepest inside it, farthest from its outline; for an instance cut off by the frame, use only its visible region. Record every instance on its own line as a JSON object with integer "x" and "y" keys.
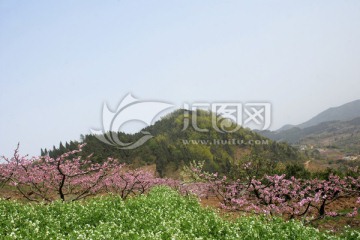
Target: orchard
{"x": 70, "y": 177}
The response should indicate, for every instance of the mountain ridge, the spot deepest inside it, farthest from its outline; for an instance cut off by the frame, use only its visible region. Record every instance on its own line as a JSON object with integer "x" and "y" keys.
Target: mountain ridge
{"x": 344, "y": 112}
{"x": 337, "y": 127}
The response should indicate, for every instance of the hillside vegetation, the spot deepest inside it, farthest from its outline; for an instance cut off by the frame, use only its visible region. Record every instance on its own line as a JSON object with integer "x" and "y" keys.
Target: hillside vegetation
{"x": 172, "y": 147}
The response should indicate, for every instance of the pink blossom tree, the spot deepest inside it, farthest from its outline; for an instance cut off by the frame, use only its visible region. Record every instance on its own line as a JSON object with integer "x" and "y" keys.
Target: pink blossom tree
{"x": 278, "y": 195}
{"x": 134, "y": 182}
{"x": 68, "y": 177}
{"x": 7, "y": 170}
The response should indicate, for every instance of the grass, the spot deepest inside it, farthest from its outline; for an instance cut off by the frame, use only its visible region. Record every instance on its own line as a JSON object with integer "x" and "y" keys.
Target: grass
{"x": 161, "y": 214}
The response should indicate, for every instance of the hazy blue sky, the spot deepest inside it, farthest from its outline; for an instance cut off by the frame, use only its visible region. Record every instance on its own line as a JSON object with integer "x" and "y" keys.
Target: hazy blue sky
{"x": 60, "y": 60}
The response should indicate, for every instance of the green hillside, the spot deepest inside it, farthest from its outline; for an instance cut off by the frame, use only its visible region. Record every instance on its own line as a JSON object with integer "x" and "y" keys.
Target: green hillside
{"x": 172, "y": 147}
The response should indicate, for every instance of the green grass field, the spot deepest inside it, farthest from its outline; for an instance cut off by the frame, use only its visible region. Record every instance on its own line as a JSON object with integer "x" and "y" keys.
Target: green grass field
{"x": 161, "y": 214}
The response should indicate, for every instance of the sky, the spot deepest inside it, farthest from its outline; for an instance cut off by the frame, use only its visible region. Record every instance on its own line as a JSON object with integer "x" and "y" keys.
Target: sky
{"x": 61, "y": 60}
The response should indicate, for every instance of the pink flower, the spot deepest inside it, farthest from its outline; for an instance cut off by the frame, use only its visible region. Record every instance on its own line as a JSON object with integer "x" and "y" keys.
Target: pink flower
{"x": 353, "y": 213}
{"x": 331, "y": 214}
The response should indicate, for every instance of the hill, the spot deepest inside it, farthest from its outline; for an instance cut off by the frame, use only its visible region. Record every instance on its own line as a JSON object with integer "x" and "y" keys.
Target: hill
{"x": 344, "y": 112}
{"x": 171, "y": 147}
{"x": 344, "y": 135}
{"x": 339, "y": 134}
{"x": 338, "y": 127}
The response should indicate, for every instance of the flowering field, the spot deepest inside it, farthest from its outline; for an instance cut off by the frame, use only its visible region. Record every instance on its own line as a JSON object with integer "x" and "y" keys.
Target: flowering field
{"x": 69, "y": 197}
{"x": 160, "y": 214}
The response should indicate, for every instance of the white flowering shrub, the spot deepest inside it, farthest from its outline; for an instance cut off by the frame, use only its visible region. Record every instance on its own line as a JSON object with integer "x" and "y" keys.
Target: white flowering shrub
{"x": 160, "y": 214}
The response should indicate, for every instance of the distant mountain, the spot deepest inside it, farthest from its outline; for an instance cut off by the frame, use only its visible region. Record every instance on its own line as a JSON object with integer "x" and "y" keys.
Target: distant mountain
{"x": 344, "y": 135}
{"x": 337, "y": 127}
{"x": 172, "y": 147}
{"x": 345, "y": 112}
{"x": 285, "y": 127}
